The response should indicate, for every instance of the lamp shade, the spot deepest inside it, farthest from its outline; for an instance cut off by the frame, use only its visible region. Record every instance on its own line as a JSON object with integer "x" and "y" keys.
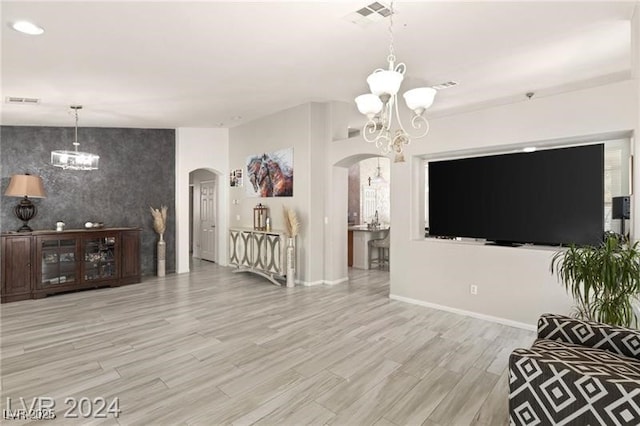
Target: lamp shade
{"x": 369, "y": 104}
{"x": 26, "y": 186}
{"x": 385, "y": 82}
{"x": 420, "y": 98}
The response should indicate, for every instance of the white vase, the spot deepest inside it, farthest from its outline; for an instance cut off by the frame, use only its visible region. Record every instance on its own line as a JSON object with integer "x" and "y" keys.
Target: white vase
{"x": 162, "y": 256}
{"x": 291, "y": 262}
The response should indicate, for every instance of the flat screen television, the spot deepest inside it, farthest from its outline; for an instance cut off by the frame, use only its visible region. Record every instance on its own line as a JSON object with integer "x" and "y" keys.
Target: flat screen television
{"x": 547, "y": 197}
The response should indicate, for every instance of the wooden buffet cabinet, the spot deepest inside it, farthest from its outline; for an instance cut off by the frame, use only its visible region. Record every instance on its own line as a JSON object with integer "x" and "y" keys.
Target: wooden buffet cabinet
{"x": 39, "y": 263}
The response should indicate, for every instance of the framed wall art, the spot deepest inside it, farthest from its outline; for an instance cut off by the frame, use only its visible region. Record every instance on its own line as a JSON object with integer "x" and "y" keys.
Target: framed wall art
{"x": 235, "y": 178}
{"x": 270, "y": 174}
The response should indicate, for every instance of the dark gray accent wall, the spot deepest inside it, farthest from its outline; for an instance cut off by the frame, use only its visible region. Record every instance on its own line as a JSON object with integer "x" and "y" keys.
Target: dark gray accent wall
{"x": 137, "y": 170}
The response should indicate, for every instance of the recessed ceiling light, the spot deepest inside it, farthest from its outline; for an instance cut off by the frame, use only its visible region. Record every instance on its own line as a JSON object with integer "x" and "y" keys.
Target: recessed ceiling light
{"x": 529, "y": 149}
{"x": 236, "y": 117}
{"x": 27, "y": 27}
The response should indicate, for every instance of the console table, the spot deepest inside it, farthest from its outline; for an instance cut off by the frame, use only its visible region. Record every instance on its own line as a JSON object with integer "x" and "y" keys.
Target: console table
{"x": 260, "y": 252}
{"x": 39, "y": 263}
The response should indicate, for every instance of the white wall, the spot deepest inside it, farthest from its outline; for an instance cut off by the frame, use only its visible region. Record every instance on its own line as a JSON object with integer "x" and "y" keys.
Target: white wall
{"x": 319, "y": 193}
{"x": 200, "y": 149}
{"x": 304, "y": 128}
{"x": 635, "y": 147}
{"x": 514, "y": 283}
{"x": 335, "y": 253}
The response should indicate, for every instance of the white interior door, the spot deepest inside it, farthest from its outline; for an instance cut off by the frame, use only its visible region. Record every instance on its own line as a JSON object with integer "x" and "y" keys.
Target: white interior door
{"x": 369, "y": 204}
{"x": 208, "y": 220}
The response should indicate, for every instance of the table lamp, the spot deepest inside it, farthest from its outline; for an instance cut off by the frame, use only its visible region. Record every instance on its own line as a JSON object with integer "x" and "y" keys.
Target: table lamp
{"x": 25, "y": 186}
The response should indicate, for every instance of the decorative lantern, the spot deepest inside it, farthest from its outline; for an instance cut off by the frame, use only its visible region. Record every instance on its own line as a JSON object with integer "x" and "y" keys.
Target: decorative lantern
{"x": 260, "y": 214}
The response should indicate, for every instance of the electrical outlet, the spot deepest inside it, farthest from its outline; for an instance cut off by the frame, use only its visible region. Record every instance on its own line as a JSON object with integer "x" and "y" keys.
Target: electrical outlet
{"x": 237, "y": 217}
{"x": 473, "y": 289}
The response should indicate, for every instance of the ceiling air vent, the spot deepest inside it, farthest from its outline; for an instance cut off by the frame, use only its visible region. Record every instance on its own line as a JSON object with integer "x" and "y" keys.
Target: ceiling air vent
{"x": 352, "y": 133}
{"x": 20, "y": 100}
{"x": 366, "y": 15}
{"x": 445, "y": 85}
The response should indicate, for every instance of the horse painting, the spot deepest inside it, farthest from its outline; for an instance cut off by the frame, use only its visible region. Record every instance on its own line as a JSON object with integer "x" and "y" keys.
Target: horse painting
{"x": 253, "y": 169}
{"x": 271, "y": 175}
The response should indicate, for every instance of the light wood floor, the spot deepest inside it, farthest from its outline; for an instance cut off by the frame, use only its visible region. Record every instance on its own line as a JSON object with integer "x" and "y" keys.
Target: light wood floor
{"x": 212, "y": 347}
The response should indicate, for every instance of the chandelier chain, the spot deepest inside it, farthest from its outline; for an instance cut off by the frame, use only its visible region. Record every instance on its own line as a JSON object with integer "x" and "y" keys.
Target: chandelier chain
{"x": 75, "y": 140}
{"x": 392, "y": 53}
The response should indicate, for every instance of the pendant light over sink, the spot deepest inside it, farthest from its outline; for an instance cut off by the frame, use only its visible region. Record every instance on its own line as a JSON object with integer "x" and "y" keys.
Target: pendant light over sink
{"x": 378, "y": 179}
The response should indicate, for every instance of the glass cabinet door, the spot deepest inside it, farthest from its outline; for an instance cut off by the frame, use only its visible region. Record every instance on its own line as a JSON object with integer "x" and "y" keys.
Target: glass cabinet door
{"x": 58, "y": 262}
{"x": 100, "y": 258}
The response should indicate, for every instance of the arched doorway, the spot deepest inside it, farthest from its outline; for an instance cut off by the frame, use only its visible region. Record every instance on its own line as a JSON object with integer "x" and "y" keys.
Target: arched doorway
{"x": 185, "y": 232}
{"x": 338, "y": 254}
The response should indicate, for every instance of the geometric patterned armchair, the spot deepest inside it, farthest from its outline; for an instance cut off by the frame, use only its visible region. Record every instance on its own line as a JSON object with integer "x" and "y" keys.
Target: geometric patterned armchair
{"x": 576, "y": 373}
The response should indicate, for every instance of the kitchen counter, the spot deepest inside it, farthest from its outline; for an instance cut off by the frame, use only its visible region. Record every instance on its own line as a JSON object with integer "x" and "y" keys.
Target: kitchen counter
{"x": 366, "y": 229}
{"x": 361, "y": 235}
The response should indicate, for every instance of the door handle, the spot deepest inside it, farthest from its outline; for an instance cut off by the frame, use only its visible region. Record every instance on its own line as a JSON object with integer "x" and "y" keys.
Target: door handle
{"x": 213, "y": 226}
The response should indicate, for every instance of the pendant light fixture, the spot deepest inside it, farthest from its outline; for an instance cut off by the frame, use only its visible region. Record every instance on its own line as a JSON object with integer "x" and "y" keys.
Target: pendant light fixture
{"x": 381, "y": 105}
{"x": 378, "y": 179}
{"x": 75, "y": 160}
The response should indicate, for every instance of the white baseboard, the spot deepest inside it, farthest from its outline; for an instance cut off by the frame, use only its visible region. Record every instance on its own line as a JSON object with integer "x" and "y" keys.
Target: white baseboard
{"x": 338, "y": 281}
{"x": 477, "y": 315}
{"x": 320, "y": 282}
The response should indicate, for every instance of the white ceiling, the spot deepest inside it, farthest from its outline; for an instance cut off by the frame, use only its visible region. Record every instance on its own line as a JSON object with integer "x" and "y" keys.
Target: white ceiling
{"x": 200, "y": 64}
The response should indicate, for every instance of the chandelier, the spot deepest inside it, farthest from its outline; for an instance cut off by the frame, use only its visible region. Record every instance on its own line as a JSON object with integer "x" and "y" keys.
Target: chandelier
{"x": 75, "y": 160}
{"x": 381, "y": 106}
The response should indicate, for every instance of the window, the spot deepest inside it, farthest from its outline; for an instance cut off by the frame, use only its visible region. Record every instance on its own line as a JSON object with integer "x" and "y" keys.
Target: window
{"x": 616, "y": 178}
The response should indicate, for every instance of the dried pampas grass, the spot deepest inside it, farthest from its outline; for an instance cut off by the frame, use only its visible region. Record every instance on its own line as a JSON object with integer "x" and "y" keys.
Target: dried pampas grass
{"x": 291, "y": 222}
{"x": 159, "y": 219}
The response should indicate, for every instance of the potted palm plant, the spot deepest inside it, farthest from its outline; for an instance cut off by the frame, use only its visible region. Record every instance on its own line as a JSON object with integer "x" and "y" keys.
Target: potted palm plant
{"x": 604, "y": 281}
